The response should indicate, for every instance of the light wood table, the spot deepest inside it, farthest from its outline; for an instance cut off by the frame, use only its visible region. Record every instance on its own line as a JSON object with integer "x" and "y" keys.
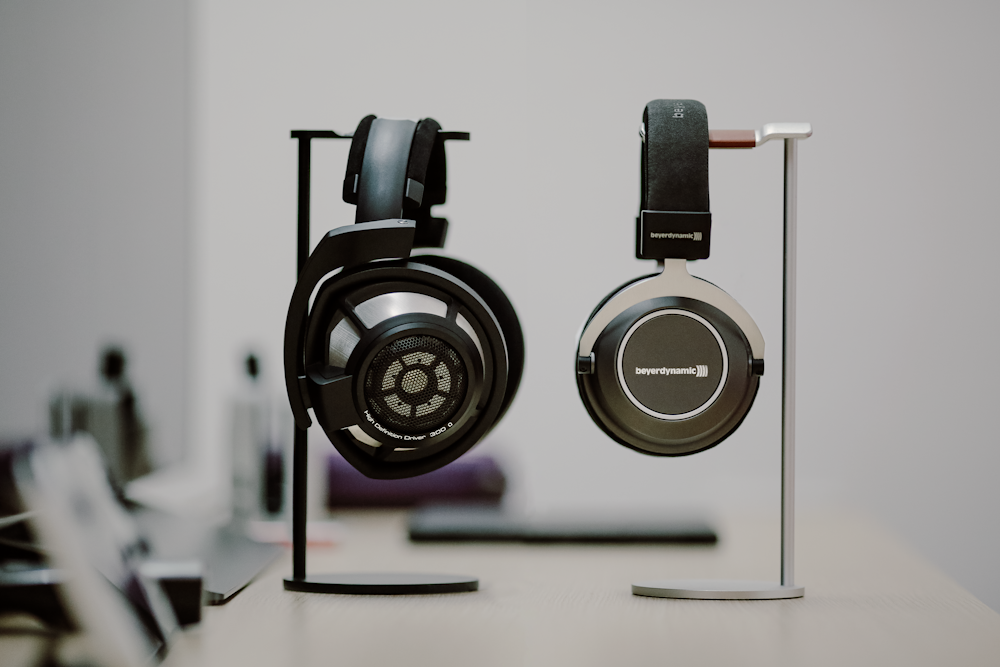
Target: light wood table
{"x": 869, "y": 601}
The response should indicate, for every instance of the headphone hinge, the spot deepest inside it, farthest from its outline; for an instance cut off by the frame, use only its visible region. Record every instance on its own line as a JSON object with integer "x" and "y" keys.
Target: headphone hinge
{"x": 430, "y": 233}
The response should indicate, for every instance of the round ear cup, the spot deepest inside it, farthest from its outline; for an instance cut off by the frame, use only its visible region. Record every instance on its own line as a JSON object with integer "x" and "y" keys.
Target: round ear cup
{"x": 502, "y": 310}
{"x": 407, "y": 365}
{"x": 672, "y": 376}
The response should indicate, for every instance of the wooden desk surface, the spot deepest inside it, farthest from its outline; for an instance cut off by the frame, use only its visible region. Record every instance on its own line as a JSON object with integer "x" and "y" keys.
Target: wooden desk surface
{"x": 869, "y": 601}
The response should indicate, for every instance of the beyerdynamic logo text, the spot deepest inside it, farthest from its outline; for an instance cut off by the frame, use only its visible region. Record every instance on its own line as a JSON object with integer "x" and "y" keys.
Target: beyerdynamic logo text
{"x": 694, "y": 236}
{"x": 698, "y": 370}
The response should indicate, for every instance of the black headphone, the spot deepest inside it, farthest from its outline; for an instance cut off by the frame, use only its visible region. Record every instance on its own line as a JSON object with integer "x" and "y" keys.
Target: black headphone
{"x": 669, "y": 364}
{"x": 407, "y": 362}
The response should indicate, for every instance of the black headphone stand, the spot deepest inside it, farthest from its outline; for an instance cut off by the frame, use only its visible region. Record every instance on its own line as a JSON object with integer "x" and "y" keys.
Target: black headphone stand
{"x": 361, "y": 583}
{"x": 785, "y": 588}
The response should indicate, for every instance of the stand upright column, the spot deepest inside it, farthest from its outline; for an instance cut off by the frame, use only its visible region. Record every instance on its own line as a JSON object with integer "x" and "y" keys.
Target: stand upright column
{"x": 788, "y": 375}
{"x": 300, "y": 447}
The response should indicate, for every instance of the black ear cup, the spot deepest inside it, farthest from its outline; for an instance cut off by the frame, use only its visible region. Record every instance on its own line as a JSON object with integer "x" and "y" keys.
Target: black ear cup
{"x": 408, "y": 367}
{"x": 501, "y": 307}
{"x": 672, "y": 376}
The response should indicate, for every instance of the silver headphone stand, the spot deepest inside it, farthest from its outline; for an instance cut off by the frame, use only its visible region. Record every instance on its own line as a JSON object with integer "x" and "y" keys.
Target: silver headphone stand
{"x": 763, "y": 590}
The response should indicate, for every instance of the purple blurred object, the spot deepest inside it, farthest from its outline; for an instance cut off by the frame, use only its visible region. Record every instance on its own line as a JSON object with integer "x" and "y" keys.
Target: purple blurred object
{"x": 478, "y": 479}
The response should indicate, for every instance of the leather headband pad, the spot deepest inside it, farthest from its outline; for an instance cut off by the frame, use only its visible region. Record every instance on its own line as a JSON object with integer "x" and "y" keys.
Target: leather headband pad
{"x": 382, "y": 182}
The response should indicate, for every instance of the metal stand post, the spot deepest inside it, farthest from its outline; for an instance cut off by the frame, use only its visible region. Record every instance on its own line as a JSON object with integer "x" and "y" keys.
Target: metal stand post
{"x": 300, "y": 447}
{"x": 763, "y": 590}
{"x": 788, "y": 375}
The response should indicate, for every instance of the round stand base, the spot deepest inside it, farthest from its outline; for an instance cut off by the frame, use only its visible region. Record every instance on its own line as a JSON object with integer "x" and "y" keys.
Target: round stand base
{"x": 711, "y": 589}
{"x": 383, "y": 583}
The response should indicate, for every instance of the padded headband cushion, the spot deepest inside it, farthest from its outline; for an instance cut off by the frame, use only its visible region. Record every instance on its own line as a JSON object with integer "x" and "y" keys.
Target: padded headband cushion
{"x": 502, "y": 309}
{"x": 423, "y": 186}
{"x": 382, "y": 183}
{"x": 675, "y": 156}
{"x": 355, "y": 158}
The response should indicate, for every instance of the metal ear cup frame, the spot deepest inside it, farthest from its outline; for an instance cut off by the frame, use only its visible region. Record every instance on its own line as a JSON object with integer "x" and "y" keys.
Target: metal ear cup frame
{"x": 406, "y": 367}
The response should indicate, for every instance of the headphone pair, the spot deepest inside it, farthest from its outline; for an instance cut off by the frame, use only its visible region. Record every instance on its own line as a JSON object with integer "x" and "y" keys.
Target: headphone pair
{"x": 669, "y": 364}
{"x": 407, "y": 362}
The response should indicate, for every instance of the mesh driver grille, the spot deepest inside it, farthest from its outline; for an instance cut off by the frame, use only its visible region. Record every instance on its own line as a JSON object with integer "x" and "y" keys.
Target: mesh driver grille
{"x": 415, "y": 384}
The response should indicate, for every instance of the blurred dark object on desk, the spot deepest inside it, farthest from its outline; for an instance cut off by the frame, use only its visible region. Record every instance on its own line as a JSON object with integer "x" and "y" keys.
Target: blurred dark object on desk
{"x": 76, "y": 562}
{"x": 469, "y": 480}
{"x": 111, "y": 414}
{"x": 493, "y": 524}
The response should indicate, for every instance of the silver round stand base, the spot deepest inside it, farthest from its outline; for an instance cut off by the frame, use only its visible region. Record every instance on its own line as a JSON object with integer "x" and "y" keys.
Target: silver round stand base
{"x": 383, "y": 583}
{"x": 716, "y": 589}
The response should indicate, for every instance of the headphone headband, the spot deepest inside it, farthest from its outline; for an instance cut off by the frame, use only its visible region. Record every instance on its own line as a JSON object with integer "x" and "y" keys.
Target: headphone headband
{"x": 674, "y": 221}
{"x": 381, "y": 186}
{"x": 398, "y": 169}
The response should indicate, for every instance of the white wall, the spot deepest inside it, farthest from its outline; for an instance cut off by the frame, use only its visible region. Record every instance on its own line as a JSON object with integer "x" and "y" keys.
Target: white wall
{"x": 897, "y": 231}
{"x": 93, "y": 205}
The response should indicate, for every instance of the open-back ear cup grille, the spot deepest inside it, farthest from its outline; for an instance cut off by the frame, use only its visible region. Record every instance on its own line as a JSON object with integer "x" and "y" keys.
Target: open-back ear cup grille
{"x": 415, "y": 384}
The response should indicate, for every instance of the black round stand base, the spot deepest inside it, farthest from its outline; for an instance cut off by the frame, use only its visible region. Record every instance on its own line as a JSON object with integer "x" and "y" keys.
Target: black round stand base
{"x": 383, "y": 583}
